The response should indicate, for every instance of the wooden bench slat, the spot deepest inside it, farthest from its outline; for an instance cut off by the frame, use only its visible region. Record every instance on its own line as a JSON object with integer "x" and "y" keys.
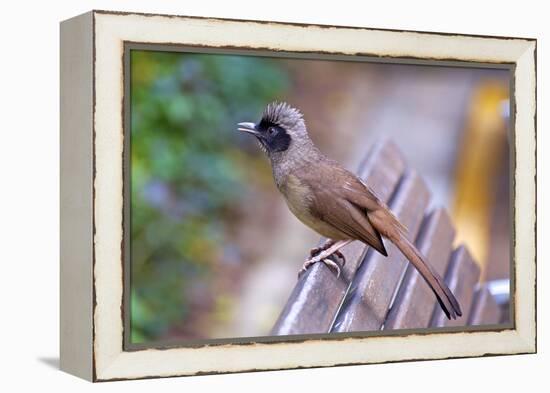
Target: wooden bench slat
{"x": 373, "y": 286}
{"x": 461, "y": 277}
{"x": 303, "y": 312}
{"x": 414, "y": 302}
{"x": 485, "y": 310}
{"x": 315, "y": 300}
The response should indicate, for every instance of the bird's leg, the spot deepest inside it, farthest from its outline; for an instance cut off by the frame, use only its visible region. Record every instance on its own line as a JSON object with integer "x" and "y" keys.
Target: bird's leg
{"x": 332, "y": 249}
{"x": 323, "y": 255}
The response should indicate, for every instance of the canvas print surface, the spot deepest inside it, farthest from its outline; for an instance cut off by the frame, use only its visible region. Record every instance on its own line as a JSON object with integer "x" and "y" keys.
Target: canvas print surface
{"x": 239, "y": 165}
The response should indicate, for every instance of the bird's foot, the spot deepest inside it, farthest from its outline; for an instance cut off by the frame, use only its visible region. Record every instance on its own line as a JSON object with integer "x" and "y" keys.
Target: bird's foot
{"x": 326, "y": 245}
{"x": 327, "y": 261}
{"x": 323, "y": 254}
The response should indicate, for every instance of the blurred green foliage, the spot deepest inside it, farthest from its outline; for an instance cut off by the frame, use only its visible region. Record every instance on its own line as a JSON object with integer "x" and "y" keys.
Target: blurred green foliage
{"x": 187, "y": 173}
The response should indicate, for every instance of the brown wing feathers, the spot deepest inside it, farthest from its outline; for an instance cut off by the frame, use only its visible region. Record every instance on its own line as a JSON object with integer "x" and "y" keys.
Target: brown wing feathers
{"x": 349, "y": 219}
{"x": 369, "y": 234}
{"x": 374, "y": 218}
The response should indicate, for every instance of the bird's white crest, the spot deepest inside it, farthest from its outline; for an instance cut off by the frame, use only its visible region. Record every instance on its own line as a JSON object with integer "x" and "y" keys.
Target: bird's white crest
{"x": 284, "y": 115}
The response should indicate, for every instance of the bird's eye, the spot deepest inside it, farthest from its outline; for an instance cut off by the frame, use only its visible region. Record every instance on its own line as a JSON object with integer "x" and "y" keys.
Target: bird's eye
{"x": 271, "y": 130}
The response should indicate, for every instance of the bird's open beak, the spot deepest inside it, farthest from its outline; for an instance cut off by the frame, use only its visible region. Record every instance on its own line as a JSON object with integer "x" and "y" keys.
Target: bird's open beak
{"x": 248, "y": 127}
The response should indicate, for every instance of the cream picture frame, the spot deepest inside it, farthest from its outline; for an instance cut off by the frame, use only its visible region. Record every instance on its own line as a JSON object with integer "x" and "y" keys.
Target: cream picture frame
{"x": 92, "y": 194}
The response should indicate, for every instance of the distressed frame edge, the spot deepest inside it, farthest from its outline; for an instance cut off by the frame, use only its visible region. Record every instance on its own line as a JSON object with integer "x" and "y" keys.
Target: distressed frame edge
{"x": 304, "y": 24}
{"x": 76, "y": 196}
{"x": 525, "y": 202}
{"x": 524, "y": 338}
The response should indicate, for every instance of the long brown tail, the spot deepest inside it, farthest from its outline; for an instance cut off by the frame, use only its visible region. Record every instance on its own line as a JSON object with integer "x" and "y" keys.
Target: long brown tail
{"x": 445, "y": 297}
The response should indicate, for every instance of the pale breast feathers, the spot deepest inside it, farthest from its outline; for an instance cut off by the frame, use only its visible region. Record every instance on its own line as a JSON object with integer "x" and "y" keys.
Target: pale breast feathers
{"x": 302, "y": 198}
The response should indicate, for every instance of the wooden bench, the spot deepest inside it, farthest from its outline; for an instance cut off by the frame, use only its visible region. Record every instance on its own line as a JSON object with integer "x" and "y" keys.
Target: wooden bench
{"x": 375, "y": 292}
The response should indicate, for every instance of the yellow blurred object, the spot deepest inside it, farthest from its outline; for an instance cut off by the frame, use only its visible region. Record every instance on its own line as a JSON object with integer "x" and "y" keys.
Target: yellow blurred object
{"x": 480, "y": 158}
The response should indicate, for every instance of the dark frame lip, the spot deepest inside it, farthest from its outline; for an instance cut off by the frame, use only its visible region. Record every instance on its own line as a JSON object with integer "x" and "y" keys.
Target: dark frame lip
{"x": 260, "y": 51}
{"x": 300, "y": 338}
{"x": 245, "y": 341}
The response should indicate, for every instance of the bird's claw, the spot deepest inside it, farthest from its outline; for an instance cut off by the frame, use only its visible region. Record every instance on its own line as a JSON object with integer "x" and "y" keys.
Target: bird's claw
{"x": 327, "y": 261}
{"x": 317, "y": 250}
{"x": 325, "y": 255}
{"x": 339, "y": 254}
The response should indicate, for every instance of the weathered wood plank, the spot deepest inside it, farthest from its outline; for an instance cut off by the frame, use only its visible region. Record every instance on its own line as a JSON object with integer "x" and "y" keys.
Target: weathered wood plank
{"x": 485, "y": 310}
{"x": 461, "y": 277}
{"x": 373, "y": 286}
{"x": 303, "y": 312}
{"x": 311, "y": 306}
{"x": 414, "y": 303}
